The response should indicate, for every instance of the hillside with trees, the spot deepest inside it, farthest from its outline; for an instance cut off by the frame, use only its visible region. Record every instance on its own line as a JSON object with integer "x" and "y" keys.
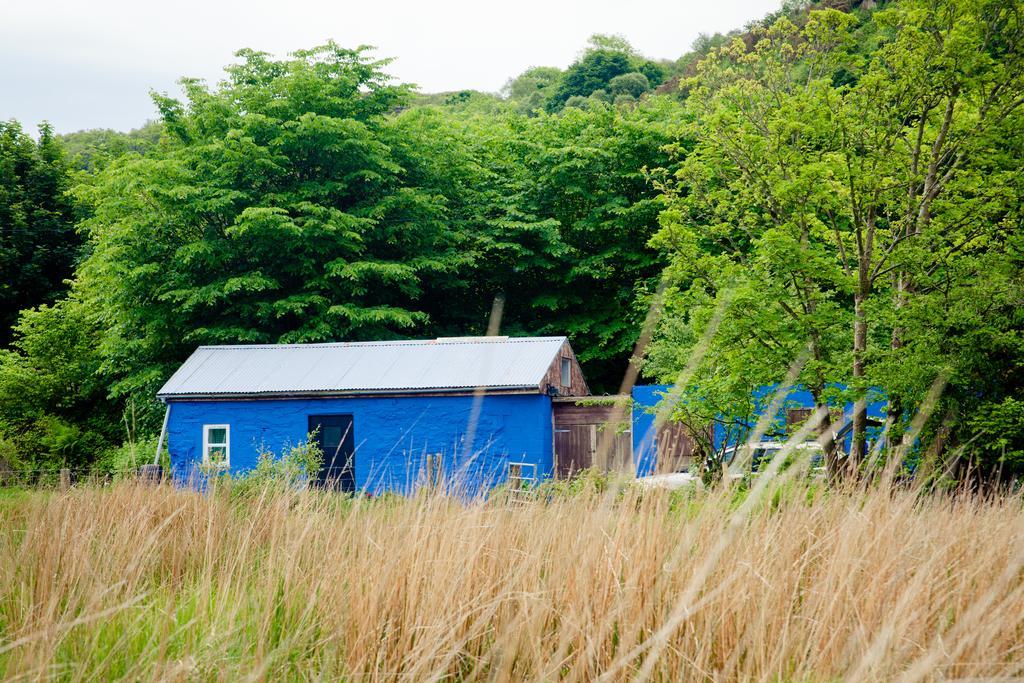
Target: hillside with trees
{"x": 833, "y": 191}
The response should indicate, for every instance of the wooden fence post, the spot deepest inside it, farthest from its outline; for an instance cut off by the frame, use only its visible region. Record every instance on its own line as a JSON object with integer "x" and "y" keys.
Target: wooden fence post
{"x": 65, "y": 479}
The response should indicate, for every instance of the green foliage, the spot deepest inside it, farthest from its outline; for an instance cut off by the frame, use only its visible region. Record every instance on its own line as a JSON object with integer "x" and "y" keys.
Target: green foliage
{"x": 852, "y": 204}
{"x": 592, "y": 72}
{"x": 291, "y": 470}
{"x": 10, "y": 457}
{"x": 585, "y": 482}
{"x": 578, "y": 102}
{"x": 610, "y": 42}
{"x": 38, "y": 241}
{"x": 999, "y": 433}
{"x": 466, "y": 101}
{"x": 90, "y": 150}
{"x": 607, "y": 59}
{"x": 633, "y": 84}
{"x": 276, "y": 210}
{"x": 55, "y": 409}
{"x": 530, "y": 90}
{"x": 560, "y": 213}
{"x": 126, "y": 458}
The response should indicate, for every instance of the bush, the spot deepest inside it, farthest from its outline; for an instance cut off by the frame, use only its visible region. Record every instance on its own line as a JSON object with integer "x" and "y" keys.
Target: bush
{"x": 53, "y": 397}
{"x": 999, "y": 428}
{"x": 584, "y": 482}
{"x": 61, "y": 443}
{"x": 127, "y": 457}
{"x": 293, "y": 470}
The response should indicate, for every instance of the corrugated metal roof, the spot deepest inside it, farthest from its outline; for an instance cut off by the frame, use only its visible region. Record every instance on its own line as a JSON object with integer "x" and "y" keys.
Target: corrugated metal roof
{"x": 444, "y": 364}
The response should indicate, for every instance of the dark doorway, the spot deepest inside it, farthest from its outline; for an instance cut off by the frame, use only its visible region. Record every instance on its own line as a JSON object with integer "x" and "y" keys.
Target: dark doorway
{"x": 335, "y": 435}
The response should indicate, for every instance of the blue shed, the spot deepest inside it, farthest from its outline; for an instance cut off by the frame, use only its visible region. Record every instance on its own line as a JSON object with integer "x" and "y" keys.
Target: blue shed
{"x": 477, "y": 409}
{"x": 649, "y": 441}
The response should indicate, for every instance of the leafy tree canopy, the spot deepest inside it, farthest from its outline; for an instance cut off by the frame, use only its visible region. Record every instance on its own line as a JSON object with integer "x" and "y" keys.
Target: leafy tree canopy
{"x": 634, "y": 84}
{"x": 88, "y": 150}
{"x": 38, "y": 241}
{"x": 605, "y": 58}
{"x": 277, "y": 210}
{"x": 869, "y": 219}
{"x": 532, "y": 88}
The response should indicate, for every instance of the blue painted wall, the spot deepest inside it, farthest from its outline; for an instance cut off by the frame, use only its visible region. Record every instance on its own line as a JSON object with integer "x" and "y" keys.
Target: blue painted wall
{"x": 393, "y": 436}
{"x": 645, "y": 440}
{"x": 647, "y": 396}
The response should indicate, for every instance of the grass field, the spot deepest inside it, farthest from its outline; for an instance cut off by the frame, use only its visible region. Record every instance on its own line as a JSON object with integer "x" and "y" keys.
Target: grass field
{"x": 151, "y": 582}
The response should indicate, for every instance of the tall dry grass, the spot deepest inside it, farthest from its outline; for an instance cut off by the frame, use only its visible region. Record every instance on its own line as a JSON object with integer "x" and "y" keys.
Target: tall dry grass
{"x": 152, "y": 582}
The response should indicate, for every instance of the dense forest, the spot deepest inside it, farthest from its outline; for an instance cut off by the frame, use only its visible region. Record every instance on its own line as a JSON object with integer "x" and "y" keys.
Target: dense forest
{"x": 831, "y": 194}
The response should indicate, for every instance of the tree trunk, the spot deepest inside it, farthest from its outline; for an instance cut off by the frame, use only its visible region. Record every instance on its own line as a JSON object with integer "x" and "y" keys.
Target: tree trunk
{"x": 894, "y": 409}
{"x": 817, "y": 390}
{"x": 824, "y": 431}
{"x": 860, "y": 406}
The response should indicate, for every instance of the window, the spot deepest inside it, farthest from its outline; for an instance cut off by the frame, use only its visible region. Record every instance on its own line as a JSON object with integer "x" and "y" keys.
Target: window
{"x": 566, "y": 372}
{"x": 217, "y": 445}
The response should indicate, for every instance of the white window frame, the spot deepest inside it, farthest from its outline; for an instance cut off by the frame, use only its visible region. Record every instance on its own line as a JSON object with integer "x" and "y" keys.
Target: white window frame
{"x": 226, "y": 445}
{"x": 565, "y": 370}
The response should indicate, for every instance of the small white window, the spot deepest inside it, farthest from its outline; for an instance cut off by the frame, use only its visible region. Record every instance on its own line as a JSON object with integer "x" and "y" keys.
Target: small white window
{"x": 566, "y": 372}
{"x": 217, "y": 445}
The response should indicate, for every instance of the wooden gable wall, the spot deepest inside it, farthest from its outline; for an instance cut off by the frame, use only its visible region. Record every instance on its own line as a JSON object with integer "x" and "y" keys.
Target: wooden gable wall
{"x": 552, "y": 378}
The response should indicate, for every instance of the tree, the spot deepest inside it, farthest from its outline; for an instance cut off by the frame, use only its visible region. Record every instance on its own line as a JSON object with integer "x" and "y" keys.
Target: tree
{"x": 605, "y": 58}
{"x": 55, "y": 406}
{"x": 610, "y": 42}
{"x": 38, "y": 241}
{"x": 591, "y": 72}
{"x": 633, "y": 84}
{"x": 556, "y": 215}
{"x": 88, "y": 150}
{"x": 276, "y": 211}
{"x": 581, "y": 176}
{"x": 532, "y": 88}
{"x": 745, "y": 231}
{"x": 949, "y": 83}
{"x": 852, "y": 197}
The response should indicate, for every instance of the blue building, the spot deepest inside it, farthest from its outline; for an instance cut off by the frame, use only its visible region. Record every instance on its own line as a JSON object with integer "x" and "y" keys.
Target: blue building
{"x": 476, "y": 410}
{"x": 669, "y": 448}
{"x": 390, "y": 415}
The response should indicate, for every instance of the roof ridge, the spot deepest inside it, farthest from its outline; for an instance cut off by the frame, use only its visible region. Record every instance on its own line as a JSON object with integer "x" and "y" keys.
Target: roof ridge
{"x": 389, "y": 342}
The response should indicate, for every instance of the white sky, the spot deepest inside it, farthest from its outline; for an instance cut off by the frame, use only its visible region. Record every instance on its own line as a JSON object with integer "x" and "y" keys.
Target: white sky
{"x": 91, "y": 63}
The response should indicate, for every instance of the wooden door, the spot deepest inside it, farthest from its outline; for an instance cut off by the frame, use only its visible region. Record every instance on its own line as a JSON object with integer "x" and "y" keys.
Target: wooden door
{"x": 574, "y": 449}
{"x": 675, "y": 448}
{"x": 592, "y": 435}
{"x": 335, "y": 435}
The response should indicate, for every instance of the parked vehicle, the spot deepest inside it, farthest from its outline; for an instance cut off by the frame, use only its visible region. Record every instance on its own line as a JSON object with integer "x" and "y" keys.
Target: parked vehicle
{"x": 762, "y": 453}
